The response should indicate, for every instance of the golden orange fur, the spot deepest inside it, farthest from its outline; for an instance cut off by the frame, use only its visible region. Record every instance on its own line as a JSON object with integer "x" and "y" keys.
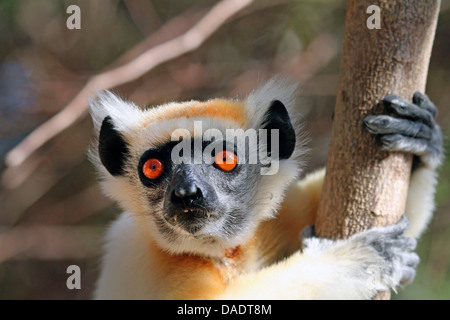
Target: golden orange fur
{"x": 213, "y": 109}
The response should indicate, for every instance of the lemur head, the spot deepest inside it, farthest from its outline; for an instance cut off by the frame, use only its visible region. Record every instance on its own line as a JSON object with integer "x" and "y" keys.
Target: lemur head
{"x": 199, "y": 176}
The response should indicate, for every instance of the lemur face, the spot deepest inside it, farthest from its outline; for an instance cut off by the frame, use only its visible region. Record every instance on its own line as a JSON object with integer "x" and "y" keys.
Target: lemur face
{"x": 198, "y": 175}
{"x": 206, "y": 200}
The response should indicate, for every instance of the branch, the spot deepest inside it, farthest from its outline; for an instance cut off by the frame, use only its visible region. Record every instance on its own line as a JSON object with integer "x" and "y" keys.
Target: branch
{"x": 364, "y": 185}
{"x": 132, "y": 70}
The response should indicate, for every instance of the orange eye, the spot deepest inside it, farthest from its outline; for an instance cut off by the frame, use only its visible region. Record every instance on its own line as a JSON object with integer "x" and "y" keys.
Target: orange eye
{"x": 153, "y": 168}
{"x": 226, "y": 160}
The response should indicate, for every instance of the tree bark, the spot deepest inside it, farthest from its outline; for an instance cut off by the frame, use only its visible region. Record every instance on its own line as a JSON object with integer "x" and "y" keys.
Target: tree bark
{"x": 365, "y": 186}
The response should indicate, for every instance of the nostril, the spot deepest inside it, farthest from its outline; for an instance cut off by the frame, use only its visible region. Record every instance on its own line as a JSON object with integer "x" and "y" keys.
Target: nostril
{"x": 176, "y": 198}
{"x": 197, "y": 195}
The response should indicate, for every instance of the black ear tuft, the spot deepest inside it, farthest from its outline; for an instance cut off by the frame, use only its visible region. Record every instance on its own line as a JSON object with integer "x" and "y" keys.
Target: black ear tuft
{"x": 112, "y": 148}
{"x": 278, "y": 118}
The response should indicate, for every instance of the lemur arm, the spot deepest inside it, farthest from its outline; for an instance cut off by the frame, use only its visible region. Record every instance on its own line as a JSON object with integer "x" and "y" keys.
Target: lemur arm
{"x": 356, "y": 268}
{"x": 419, "y": 203}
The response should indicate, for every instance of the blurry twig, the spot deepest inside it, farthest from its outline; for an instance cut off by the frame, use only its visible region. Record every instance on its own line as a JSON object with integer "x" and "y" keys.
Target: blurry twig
{"x": 132, "y": 70}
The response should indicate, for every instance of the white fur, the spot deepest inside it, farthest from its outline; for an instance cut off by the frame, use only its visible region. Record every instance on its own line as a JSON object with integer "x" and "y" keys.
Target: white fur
{"x": 126, "y": 263}
{"x": 420, "y": 200}
{"x": 259, "y": 100}
{"x": 125, "y": 115}
{"x": 326, "y": 270}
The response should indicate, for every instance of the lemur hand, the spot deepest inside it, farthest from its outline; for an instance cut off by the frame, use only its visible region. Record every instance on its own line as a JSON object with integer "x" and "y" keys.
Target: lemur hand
{"x": 377, "y": 259}
{"x": 414, "y": 130}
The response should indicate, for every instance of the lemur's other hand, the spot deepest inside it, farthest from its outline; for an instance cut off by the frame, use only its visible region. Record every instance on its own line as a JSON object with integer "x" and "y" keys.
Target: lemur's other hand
{"x": 382, "y": 258}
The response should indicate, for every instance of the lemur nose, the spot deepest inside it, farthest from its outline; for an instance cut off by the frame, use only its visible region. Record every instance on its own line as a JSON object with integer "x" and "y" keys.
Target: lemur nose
{"x": 186, "y": 196}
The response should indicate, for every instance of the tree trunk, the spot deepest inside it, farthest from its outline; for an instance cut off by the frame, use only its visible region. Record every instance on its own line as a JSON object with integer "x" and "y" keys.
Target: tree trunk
{"x": 365, "y": 186}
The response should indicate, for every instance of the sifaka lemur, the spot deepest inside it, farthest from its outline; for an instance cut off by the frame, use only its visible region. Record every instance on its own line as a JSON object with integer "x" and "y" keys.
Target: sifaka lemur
{"x": 216, "y": 225}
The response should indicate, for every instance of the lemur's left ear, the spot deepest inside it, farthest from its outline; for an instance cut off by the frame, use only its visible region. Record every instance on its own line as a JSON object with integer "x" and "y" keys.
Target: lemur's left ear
{"x": 112, "y": 117}
{"x": 277, "y": 117}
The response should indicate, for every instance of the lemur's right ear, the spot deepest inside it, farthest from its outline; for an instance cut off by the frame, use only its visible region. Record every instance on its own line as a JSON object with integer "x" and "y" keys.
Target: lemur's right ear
{"x": 112, "y": 117}
{"x": 278, "y": 118}
{"x": 268, "y": 106}
{"x": 112, "y": 148}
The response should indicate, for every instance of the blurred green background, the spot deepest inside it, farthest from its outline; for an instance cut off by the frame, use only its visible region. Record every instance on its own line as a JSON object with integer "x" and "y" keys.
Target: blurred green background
{"x": 52, "y": 213}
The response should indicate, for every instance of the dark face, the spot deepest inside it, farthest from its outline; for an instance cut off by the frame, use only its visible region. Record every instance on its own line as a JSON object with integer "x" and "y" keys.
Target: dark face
{"x": 199, "y": 198}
